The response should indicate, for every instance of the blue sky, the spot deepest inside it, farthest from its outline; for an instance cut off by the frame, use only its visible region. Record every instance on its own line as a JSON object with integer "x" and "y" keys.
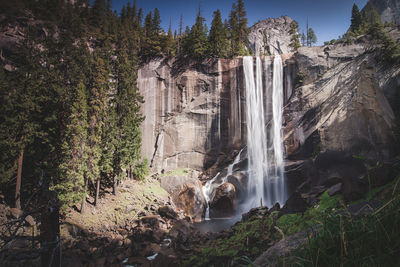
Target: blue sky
{"x": 328, "y": 18}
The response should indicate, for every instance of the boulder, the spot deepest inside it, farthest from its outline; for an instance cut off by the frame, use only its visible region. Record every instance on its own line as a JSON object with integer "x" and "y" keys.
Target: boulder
{"x": 296, "y": 203}
{"x": 29, "y": 219}
{"x": 167, "y": 212}
{"x": 224, "y": 201}
{"x": 260, "y": 211}
{"x": 239, "y": 180}
{"x": 381, "y": 174}
{"x": 335, "y": 189}
{"x": 16, "y": 213}
{"x": 191, "y": 200}
{"x": 181, "y": 231}
{"x": 186, "y": 193}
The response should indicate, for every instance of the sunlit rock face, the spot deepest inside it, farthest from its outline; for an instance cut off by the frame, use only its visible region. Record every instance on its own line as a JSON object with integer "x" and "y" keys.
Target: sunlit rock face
{"x": 277, "y": 36}
{"x": 389, "y": 10}
{"x": 342, "y": 106}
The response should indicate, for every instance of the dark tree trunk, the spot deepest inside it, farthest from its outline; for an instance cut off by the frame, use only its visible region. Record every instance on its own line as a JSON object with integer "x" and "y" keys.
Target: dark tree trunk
{"x": 50, "y": 229}
{"x": 18, "y": 185}
{"x": 83, "y": 204}
{"x": 115, "y": 186}
{"x": 97, "y": 192}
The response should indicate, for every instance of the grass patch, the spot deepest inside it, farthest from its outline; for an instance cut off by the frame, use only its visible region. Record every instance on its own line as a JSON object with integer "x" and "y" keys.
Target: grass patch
{"x": 178, "y": 172}
{"x": 248, "y": 241}
{"x": 293, "y": 223}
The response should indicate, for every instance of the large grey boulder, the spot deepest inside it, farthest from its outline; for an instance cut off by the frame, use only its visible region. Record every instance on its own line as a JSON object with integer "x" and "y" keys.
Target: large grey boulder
{"x": 186, "y": 193}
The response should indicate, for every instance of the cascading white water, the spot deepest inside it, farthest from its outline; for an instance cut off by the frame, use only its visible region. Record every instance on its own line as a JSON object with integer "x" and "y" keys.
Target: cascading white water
{"x": 211, "y": 185}
{"x": 207, "y": 190}
{"x": 265, "y": 151}
{"x": 256, "y": 132}
{"x": 276, "y": 131}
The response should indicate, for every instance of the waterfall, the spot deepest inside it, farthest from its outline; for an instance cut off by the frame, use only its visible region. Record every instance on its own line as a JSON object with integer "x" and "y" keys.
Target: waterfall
{"x": 256, "y": 132}
{"x": 264, "y": 138}
{"x": 276, "y": 132}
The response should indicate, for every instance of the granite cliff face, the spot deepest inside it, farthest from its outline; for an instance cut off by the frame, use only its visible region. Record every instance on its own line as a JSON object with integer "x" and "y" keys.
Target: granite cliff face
{"x": 389, "y": 10}
{"x": 277, "y": 36}
{"x": 191, "y": 115}
{"x": 195, "y": 115}
{"x": 341, "y": 106}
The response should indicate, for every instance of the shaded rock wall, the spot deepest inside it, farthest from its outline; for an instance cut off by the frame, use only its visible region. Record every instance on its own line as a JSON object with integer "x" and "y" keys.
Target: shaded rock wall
{"x": 193, "y": 112}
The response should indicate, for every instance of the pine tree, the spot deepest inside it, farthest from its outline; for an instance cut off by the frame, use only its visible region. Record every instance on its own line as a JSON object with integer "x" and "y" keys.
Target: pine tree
{"x": 218, "y": 41}
{"x": 196, "y": 43}
{"x": 73, "y": 152}
{"x": 156, "y": 22}
{"x": 356, "y": 19}
{"x": 169, "y": 46}
{"x": 128, "y": 98}
{"x": 242, "y": 23}
{"x": 151, "y": 45}
{"x": 303, "y": 39}
{"x": 295, "y": 37}
{"x": 98, "y": 105}
{"x": 312, "y": 38}
{"x": 234, "y": 31}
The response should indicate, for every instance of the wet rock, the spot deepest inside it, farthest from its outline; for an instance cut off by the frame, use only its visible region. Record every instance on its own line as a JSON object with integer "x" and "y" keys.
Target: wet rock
{"x": 167, "y": 212}
{"x": 181, "y": 231}
{"x": 224, "y": 201}
{"x": 239, "y": 180}
{"x": 300, "y": 174}
{"x": 141, "y": 234}
{"x": 335, "y": 189}
{"x": 296, "y": 203}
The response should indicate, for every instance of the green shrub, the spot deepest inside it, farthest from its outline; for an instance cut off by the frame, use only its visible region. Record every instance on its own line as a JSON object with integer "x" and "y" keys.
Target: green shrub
{"x": 141, "y": 170}
{"x": 299, "y": 79}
